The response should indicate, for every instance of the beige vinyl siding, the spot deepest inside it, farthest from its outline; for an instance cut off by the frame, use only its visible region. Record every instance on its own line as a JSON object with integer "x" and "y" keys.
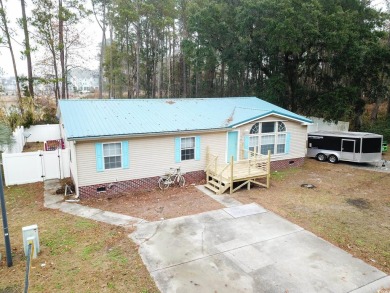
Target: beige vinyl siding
{"x": 296, "y": 129}
{"x": 148, "y": 156}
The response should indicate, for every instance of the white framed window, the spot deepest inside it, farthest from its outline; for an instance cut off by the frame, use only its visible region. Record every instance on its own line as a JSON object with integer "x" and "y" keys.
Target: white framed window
{"x": 267, "y": 127}
{"x": 281, "y": 146}
{"x": 254, "y": 144}
{"x": 187, "y": 148}
{"x": 268, "y": 136}
{"x": 267, "y": 144}
{"x": 112, "y": 155}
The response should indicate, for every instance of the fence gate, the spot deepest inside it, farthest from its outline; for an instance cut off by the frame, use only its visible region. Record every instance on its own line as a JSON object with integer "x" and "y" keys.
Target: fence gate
{"x": 22, "y": 168}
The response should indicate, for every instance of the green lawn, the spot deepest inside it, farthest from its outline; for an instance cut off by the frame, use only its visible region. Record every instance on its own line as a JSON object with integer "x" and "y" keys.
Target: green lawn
{"x": 77, "y": 255}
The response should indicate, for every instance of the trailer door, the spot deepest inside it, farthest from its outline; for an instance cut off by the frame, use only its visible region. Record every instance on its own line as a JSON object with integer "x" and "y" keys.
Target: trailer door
{"x": 347, "y": 149}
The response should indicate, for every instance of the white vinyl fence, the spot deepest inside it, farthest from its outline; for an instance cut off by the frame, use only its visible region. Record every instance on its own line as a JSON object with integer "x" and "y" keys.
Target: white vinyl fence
{"x": 22, "y": 168}
{"x": 42, "y": 132}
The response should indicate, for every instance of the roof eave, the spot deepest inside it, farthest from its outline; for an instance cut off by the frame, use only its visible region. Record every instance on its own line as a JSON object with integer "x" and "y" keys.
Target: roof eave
{"x": 304, "y": 121}
{"x": 150, "y": 134}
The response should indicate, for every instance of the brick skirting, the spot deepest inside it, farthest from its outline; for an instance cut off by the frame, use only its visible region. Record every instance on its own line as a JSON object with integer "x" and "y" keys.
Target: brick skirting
{"x": 116, "y": 189}
{"x": 284, "y": 164}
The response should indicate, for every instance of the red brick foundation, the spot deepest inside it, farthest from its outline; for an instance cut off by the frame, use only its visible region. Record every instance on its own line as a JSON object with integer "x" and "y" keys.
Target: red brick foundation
{"x": 284, "y": 164}
{"x": 116, "y": 189}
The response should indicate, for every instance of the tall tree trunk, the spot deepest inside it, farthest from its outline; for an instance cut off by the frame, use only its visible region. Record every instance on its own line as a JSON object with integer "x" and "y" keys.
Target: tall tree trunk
{"x": 111, "y": 93}
{"x": 66, "y": 73}
{"x": 137, "y": 54}
{"x": 61, "y": 47}
{"x": 161, "y": 69}
{"x": 4, "y": 19}
{"x": 173, "y": 71}
{"x": 128, "y": 63}
{"x": 27, "y": 50}
{"x": 169, "y": 62}
{"x": 184, "y": 36}
{"x": 222, "y": 92}
{"x": 102, "y": 46}
{"x": 375, "y": 110}
{"x": 56, "y": 85}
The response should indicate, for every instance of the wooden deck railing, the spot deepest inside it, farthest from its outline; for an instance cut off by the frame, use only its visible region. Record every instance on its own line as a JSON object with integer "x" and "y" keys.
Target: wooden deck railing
{"x": 247, "y": 170}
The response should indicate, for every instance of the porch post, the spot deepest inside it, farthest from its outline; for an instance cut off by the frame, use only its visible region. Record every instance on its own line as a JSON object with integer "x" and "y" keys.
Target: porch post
{"x": 268, "y": 168}
{"x": 231, "y": 174}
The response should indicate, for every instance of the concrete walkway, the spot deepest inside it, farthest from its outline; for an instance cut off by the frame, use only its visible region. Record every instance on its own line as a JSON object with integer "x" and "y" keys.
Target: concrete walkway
{"x": 54, "y": 201}
{"x": 223, "y": 199}
{"x": 241, "y": 248}
{"x": 246, "y": 248}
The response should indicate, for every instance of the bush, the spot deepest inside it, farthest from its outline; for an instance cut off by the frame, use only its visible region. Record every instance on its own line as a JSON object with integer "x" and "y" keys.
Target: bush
{"x": 381, "y": 126}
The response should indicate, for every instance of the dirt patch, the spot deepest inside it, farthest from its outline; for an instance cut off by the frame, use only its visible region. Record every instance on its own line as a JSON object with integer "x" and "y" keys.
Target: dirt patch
{"x": 33, "y": 147}
{"x": 349, "y": 206}
{"x": 360, "y": 203}
{"x": 158, "y": 204}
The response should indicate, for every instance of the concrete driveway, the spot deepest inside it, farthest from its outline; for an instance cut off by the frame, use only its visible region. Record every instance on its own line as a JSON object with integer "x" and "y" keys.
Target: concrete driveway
{"x": 248, "y": 249}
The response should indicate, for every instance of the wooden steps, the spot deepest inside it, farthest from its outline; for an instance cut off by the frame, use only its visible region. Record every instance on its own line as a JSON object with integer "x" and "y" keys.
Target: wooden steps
{"x": 221, "y": 177}
{"x": 217, "y": 186}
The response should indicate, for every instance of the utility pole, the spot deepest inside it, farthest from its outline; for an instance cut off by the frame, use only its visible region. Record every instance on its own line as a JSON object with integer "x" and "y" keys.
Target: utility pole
{"x": 5, "y": 223}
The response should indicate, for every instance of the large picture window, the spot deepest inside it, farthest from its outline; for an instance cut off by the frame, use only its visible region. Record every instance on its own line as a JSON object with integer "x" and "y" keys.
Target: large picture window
{"x": 268, "y": 136}
{"x": 112, "y": 154}
{"x": 187, "y": 148}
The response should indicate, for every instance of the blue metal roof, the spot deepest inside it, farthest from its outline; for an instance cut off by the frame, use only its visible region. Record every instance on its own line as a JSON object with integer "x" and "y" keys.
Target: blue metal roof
{"x": 119, "y": 117}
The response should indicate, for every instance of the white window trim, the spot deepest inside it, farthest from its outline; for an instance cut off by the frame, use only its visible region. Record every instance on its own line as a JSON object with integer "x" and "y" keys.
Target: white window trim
{"x": 181, "y": 148}
{"x": 104, "y": 164}
{"x": 275, "y": 134}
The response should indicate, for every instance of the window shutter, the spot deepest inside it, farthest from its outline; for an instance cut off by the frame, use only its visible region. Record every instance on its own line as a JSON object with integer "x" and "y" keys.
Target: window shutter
{"x": 177, "y": 150}
{"x": 125, "y": 154}
{"x": 99, "y": 157}
{"x": 246, "y": 146}
{"x": 197, "y": 148}
{"x": 288, "y": 139}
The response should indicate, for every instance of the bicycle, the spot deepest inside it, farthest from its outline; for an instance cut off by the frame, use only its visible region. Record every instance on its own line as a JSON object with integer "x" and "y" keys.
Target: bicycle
{"x": 173, "y": 176}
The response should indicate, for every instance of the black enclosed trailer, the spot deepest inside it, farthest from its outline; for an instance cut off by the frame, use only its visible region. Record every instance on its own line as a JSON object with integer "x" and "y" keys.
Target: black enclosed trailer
{"x": 333, "y": 146}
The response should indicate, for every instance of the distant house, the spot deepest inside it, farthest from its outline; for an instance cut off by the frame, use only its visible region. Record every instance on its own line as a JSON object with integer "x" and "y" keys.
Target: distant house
{"x": 83, "y": 80}
{"x": 118, "y": 145}
{"x": 8, "y": 85}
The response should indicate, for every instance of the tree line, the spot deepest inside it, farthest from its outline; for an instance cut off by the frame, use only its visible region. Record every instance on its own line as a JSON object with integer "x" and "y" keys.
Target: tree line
{"x": 326, "y": 58}
{"x": 317, "y": 57}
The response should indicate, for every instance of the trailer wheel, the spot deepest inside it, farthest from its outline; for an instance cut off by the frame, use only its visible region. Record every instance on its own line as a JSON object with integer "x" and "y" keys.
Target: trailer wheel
{"x": 321, "y": 157}
{"x": 333, "y": 159}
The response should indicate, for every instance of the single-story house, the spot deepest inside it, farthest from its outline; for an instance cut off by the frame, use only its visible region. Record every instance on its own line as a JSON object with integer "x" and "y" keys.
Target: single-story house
{"x": 119, "y": 145}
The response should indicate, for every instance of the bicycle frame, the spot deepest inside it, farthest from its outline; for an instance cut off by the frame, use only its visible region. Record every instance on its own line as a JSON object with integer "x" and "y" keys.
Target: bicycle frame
{"x": 174, "y": 176}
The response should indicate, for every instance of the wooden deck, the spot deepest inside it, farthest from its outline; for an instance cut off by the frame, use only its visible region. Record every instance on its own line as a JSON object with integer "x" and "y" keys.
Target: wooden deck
{"x": 221, "y": 177}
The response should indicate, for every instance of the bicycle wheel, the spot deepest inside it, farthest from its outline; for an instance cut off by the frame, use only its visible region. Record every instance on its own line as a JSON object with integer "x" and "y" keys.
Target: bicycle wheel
{"x": 181, "y": 181}
{"x": 163, "y": 183}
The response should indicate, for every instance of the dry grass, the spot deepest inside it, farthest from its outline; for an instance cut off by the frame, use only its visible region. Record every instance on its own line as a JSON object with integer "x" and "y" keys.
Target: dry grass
{"x": 349, "y": 207}
{"x": 33, "y": 147}
{"x": 77, "y": 255}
